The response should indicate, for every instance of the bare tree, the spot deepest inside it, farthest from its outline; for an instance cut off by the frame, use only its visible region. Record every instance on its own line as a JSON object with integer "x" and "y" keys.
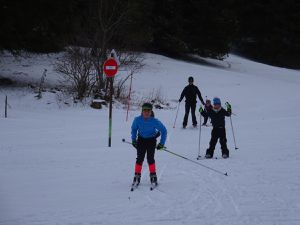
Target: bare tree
{"x": 132, "y": 62}
{"x": 76, "y": 67}
{"x": 110, "y": 16}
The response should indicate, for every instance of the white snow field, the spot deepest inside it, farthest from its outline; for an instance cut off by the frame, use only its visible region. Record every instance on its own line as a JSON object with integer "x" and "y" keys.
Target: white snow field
{"x": 56, "y": 168}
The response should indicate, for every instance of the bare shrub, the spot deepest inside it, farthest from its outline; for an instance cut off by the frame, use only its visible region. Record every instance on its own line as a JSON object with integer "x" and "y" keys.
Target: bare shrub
{"x": 155, "y": 97}
{"x": 77, "y": 68}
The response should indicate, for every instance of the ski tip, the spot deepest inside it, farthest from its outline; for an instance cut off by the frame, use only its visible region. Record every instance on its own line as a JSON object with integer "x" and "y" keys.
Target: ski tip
{"x": 236, "y": 148}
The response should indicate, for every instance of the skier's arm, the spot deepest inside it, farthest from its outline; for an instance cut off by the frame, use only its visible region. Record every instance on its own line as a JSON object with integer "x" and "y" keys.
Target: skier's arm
{"x": 202, "y": 112}
{"x": 134, "y": 129}
{"x": 163, "y": 132}
{"x": 182, "y": 94}
{"x": 200, "y": 96}
{"x": 227, "y": 112}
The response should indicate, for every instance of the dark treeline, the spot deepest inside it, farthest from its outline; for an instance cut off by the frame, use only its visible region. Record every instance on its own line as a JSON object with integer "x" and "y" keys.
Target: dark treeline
{"x": 268, "y": 31}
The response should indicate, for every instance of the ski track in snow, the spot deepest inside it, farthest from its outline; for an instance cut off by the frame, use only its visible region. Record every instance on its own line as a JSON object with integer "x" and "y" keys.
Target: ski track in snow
{"x": 56, "y": 168}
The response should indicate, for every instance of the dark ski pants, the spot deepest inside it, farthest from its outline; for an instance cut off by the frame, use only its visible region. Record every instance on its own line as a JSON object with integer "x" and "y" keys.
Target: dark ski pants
{"x": 205, "y": 119}
{"x": 145, "y": 145}
{"x": 218, "y": 133}
{"x": 205, "y": 116}
{"x": 190, "y": 106}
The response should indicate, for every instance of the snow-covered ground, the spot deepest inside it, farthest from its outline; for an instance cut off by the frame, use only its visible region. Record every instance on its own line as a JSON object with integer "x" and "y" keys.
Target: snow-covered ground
{"x": 56, "y": 168}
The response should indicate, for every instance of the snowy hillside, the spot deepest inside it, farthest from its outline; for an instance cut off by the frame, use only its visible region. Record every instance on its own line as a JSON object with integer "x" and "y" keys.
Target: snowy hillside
{"x": 56, "y": 168}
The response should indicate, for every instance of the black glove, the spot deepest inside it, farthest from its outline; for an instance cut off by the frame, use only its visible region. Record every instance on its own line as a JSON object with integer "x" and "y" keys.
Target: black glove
{"x": 160, "y": 146}
{"x": 134, "y": 144}
{"x": 179, "y": 100}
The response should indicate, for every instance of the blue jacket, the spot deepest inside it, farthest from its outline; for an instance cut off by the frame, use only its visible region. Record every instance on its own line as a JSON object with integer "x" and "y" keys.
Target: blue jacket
{"x": 148, "y": 128}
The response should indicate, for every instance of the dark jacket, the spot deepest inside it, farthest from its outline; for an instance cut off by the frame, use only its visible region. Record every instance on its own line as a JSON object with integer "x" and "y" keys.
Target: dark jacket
{"x": 217, "y": 118}
{"x": 190, "y": 93}
{"x": 208, "y": 107}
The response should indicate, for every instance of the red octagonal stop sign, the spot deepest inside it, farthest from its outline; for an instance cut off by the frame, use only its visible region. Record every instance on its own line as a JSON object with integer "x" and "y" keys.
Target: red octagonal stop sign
{"x": 110, "y": 67}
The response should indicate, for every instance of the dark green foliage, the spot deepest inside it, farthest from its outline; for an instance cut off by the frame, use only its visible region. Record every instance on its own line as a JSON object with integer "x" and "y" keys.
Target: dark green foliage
{"x": 38, "y": 26}
{"x": 268, "y": 31}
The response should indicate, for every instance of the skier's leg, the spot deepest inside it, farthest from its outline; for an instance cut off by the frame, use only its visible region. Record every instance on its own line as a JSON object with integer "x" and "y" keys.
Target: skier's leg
{"x": 186, "y": 115}
{"x": 141, "y": 152}
{"x": 223, "y": 142}
{"x": 205, "y": 120}
{"x": 212, "y": 143}
{"x": 151, "y": 161}
{"x": 193, "y": 109}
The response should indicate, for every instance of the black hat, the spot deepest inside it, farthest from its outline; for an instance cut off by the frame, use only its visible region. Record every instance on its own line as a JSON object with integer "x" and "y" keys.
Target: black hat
{"x": 147, "y": 105}
{"x": 191, "y": 79}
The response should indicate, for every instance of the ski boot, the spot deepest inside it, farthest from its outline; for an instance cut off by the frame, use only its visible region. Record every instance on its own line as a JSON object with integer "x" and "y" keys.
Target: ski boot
{"x": 208, "y": 156}
{"x": 225, "y": 156}
{"x": 137, "y": 178}
{"x": 153, "y": 178}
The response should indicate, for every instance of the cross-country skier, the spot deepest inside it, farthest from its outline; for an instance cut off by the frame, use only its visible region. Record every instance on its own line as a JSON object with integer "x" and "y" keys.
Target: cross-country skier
{"x": 207, "y": 107}
{"x": 144, "y": 131}
{"x": 190, "y": 93}
{"x": 217, "y": 115}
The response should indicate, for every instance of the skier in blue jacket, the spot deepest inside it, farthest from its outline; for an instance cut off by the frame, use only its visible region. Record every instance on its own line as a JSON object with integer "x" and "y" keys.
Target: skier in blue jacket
{"x": 144, "y": 131}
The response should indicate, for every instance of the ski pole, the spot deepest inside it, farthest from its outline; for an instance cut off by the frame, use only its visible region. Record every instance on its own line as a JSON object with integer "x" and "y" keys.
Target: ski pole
{"x": 232, "y": 130}
{"x": 123, "y": 140}
{"x": 233, "y": 134}
{"x": 199, "y": 137}
{"x": 176, "y": 114}
{"x": 200, "y": 164}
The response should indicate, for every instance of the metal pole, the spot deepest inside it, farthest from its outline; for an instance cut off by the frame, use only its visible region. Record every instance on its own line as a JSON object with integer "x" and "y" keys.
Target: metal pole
{"x": 200, "y": 164}
{"x": 128, "y": 106}
{"x": 110, "y": 112}
{"x": 233, "y": 134}
{"x": 6, "y": 106}
{"x": 199, "y": 156}
{"x": 176, "y": 114}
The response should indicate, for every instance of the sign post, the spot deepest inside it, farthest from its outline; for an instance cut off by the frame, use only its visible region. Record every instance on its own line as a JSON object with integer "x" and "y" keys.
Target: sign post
{"x": 110, "y": 68}
{"x": 6, "y": 106}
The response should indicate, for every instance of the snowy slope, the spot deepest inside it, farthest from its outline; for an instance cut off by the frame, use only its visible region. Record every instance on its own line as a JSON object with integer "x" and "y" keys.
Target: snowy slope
{"x": 56, "y": 168}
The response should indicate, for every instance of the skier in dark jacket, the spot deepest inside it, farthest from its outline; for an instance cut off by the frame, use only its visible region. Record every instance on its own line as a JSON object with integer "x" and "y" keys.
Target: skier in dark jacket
{"x": 144, "y": 131}
{"x": 190, "y": 93}
{"x": 217, "y": 115}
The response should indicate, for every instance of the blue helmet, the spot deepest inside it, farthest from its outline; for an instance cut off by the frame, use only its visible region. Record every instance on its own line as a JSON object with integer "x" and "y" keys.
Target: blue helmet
{"x": 217, "y": 101}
